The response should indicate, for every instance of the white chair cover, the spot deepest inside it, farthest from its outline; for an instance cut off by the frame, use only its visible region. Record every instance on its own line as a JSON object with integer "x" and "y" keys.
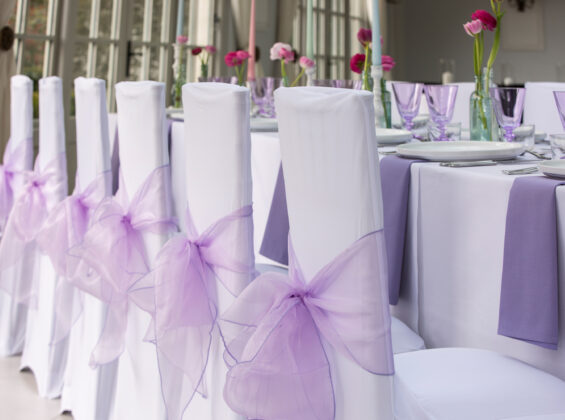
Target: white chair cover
{"x": 47, "y": 360}
{"x": 13, "y": 315}
{"x": 142, "y": 131}
{"x": 540, "y": 108}
{"x": 88, "y": 393}
{"x": 328, "y": 149}
{"x": 218, "y": 182}
{"x": 461, "y": 109}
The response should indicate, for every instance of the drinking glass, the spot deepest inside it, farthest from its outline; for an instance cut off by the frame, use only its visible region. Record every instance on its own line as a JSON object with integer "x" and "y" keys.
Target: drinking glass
{"x": 344, "y": 84}
{"x": 452, "y": 131}
{"x": 560, "y": 102}
{"x": 557, "y": 143}
{"x": 525, "y": 134}
{"x": 441, "y": 101}
{"x": 322, "y": 82}
{"x": 268, "y": 86}
{"x": 408, "y": 97}
{"x": 508, "y": 106}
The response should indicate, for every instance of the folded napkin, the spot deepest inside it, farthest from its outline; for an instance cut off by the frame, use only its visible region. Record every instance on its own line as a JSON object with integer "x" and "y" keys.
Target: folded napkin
{"x": 395, "y": 180}
{"x": 275, "y": 238}
{"x": 529, "y": 306}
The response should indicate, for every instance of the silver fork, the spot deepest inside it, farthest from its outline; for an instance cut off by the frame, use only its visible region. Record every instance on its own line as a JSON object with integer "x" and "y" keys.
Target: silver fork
{"x": 521, "y": 171}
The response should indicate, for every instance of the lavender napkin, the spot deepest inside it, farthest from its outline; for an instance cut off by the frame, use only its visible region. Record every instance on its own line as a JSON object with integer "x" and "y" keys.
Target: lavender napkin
{"x": 275, "y": 238}
{"x": 529, "y": 294}
{"x": 395, "y": 180}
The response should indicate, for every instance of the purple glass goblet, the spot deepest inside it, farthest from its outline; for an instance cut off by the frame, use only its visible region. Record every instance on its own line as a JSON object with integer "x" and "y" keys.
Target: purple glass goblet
{"x": 560, "y": 102}
{"x": 441, "y": 101}
{"x": 508, "y": 104}
{"x": 268, "y": 86}
{"x": 408, "y": 97}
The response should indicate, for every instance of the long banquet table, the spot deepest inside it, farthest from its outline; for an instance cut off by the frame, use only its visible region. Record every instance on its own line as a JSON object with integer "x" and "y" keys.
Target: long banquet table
{"x": 452, "y": 271}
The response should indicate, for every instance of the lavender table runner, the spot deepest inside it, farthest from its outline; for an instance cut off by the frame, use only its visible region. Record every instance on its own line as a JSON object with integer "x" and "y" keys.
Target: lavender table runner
{"x": 395, "y": 180}
{"x": 275, "y": 238}
{"x": 529, "y": 292}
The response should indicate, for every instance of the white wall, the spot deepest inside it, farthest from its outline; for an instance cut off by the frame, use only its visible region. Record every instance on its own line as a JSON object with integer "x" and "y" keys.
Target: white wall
{"x": 423, "y": 31}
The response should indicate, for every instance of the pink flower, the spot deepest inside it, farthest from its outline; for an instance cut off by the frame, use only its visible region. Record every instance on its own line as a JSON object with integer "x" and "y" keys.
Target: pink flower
{"x": 488, "y": 20}
{"x": 242, "y": 55}
{"x": 387, "y": 62}
{"x": 365, "y": 36}
{"x": 210, "y": 49}
{"x": 231, "y": 59}
{"x": 306, "y": 63}
{"x": 276, "y": 53}
{"x": 196, "y": 51}
{"x": 357, "y": 63}
{"x": 181, "y": 39}
{"x": 474, "y": 27}
{"x": 286, "y": 55}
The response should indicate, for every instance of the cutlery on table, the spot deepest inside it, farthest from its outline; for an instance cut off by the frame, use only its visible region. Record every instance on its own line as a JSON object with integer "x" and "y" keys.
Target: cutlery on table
{"x": 521, "y": 171}
{"x": 467, "y": 164}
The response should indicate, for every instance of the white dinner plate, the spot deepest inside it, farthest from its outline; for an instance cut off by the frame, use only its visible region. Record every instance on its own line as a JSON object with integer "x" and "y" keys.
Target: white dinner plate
{"x": 264, "y": 124}
{"x": 387, "y": 136}
{"x": 554, "y": 168}
{"x": 461, "y": 150}
{"x": 540, "y": 136}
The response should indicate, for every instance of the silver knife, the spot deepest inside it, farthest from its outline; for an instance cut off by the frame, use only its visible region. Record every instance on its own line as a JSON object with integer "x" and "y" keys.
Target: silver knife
{"x": 467, "y": 164}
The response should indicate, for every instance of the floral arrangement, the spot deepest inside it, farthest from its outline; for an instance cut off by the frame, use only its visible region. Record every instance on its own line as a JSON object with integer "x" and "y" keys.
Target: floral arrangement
{"x": 360, "y": 63}
{"x": 179, "y": 69}
{"x": 205, "y": 54}
{"x": 284, "y": 53}
{"x": 482, "y": 21}
{"x": 237, "y": 60}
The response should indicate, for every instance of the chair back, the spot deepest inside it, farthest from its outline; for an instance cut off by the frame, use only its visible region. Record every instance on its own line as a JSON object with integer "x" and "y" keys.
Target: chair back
{"x": 540, "y": 108}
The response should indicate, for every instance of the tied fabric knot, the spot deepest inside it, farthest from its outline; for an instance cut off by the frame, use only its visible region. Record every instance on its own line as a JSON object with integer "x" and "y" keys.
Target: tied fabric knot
{"x": 113, "y": 254}
{"x": 42, "y": 189}
{"x": 65, "y": 228}
{"x": 276, "y": 328}
{"x": 14, "y": 161}
{"x": 185, "y": 300}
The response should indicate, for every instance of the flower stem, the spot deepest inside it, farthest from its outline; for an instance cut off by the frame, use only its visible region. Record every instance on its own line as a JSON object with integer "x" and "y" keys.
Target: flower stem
{"x": 283, "y": 74}
{"x": 366, "y": 68}
{"x": 383, "y": 100}
{"x": 297, "y": 78}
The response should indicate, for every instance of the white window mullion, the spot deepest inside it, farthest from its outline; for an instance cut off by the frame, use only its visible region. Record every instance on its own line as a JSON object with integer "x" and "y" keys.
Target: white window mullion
{"x": 146, "y": 49}
{"x": 21, "y": 23}
{"x": 93, "y": 34}
{"x": 166, "y": 20}
{"x": 113, "y": 51}
{"x": 52, "y": 8}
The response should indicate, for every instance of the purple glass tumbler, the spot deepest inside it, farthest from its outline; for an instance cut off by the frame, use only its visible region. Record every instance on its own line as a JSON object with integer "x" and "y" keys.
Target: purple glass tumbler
{"x": 408, "y": 97}
{"x": 441, "y": 102}
{"x": 560, "y": 102}
{"x": 508, "y": 106}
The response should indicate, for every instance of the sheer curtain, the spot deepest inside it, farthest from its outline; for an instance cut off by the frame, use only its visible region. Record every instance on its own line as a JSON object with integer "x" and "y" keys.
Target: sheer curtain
{"x": 7, "y": 68}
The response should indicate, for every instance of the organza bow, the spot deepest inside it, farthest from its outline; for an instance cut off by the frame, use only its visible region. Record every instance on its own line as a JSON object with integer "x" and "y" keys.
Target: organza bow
{"x": 186, "y": 300}
{"x": 65, "y": 228}
{"x": 275, "y": 328}
{"x": 114, "y": 250}
{"x": 40, "y": 193}
{"x": 13, "y": 163}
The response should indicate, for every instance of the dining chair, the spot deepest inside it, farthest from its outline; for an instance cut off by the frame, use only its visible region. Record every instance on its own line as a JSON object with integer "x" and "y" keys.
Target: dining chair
{"x": 539, "y": 106}
{"x": 461, "y": 108}
{"x": 88, "y": 393}
{"x": 334, "y": 198}
{"x": 46, "y": 359}
{"x": 18, "y": 157}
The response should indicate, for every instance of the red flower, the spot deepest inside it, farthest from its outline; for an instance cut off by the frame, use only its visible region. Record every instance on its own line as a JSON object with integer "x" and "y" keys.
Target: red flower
{"x": 196, "y": 51}
{"x": 488, "y": 20}
{"x": 357, "y": 63}
{"x": 365, "y": 36}
{"x": 387, "y": 62}
{"x": 242, "y": 55}
{"x": 231, "y": 59}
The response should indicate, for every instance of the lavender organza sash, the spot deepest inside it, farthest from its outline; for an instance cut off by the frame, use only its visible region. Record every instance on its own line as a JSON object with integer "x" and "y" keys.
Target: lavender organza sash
{"x": 65, "y": 228}
{"x": 114, "y": 250}
{"x": 40, "y": 193}
{"x": 14, "y": 161}
{"x": 276, "y": 328}
{"x": 529, "y": 299}
{"x": 186, "y": 300}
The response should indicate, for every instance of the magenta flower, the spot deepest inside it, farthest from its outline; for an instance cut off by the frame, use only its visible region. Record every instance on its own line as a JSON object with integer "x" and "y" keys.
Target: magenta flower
{"x": 387, "y": 62}
{"x": 231, "y": 59}
{"x": 488, "y": 20}
{"x": 242, "y": 55}
{"x": 196, "y": 51}
{"x": 365, "y": 36}
{"x": 357, "y": 63}
{"x": 286, "y": 55}
{"x": 181, "y": 39}
{"x": 474, "y": 27}
{"x": 306, "y": 63}
{"x": 210, "y": 49}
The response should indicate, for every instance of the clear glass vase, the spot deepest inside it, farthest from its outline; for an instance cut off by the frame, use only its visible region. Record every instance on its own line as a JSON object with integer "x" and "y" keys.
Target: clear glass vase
{"x": 482, "y": 121}
{"x": 386, "y": 105}
{"x": 176, "y": 94}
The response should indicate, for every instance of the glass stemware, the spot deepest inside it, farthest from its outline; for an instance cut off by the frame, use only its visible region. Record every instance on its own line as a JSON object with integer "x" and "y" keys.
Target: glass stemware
{"x": 560, "y": 102}
{"x": 265, "y": 97}
{"x": 508, "y": 106}
{"x": 441, "y": 101}
{"x": 408, "y": 97}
